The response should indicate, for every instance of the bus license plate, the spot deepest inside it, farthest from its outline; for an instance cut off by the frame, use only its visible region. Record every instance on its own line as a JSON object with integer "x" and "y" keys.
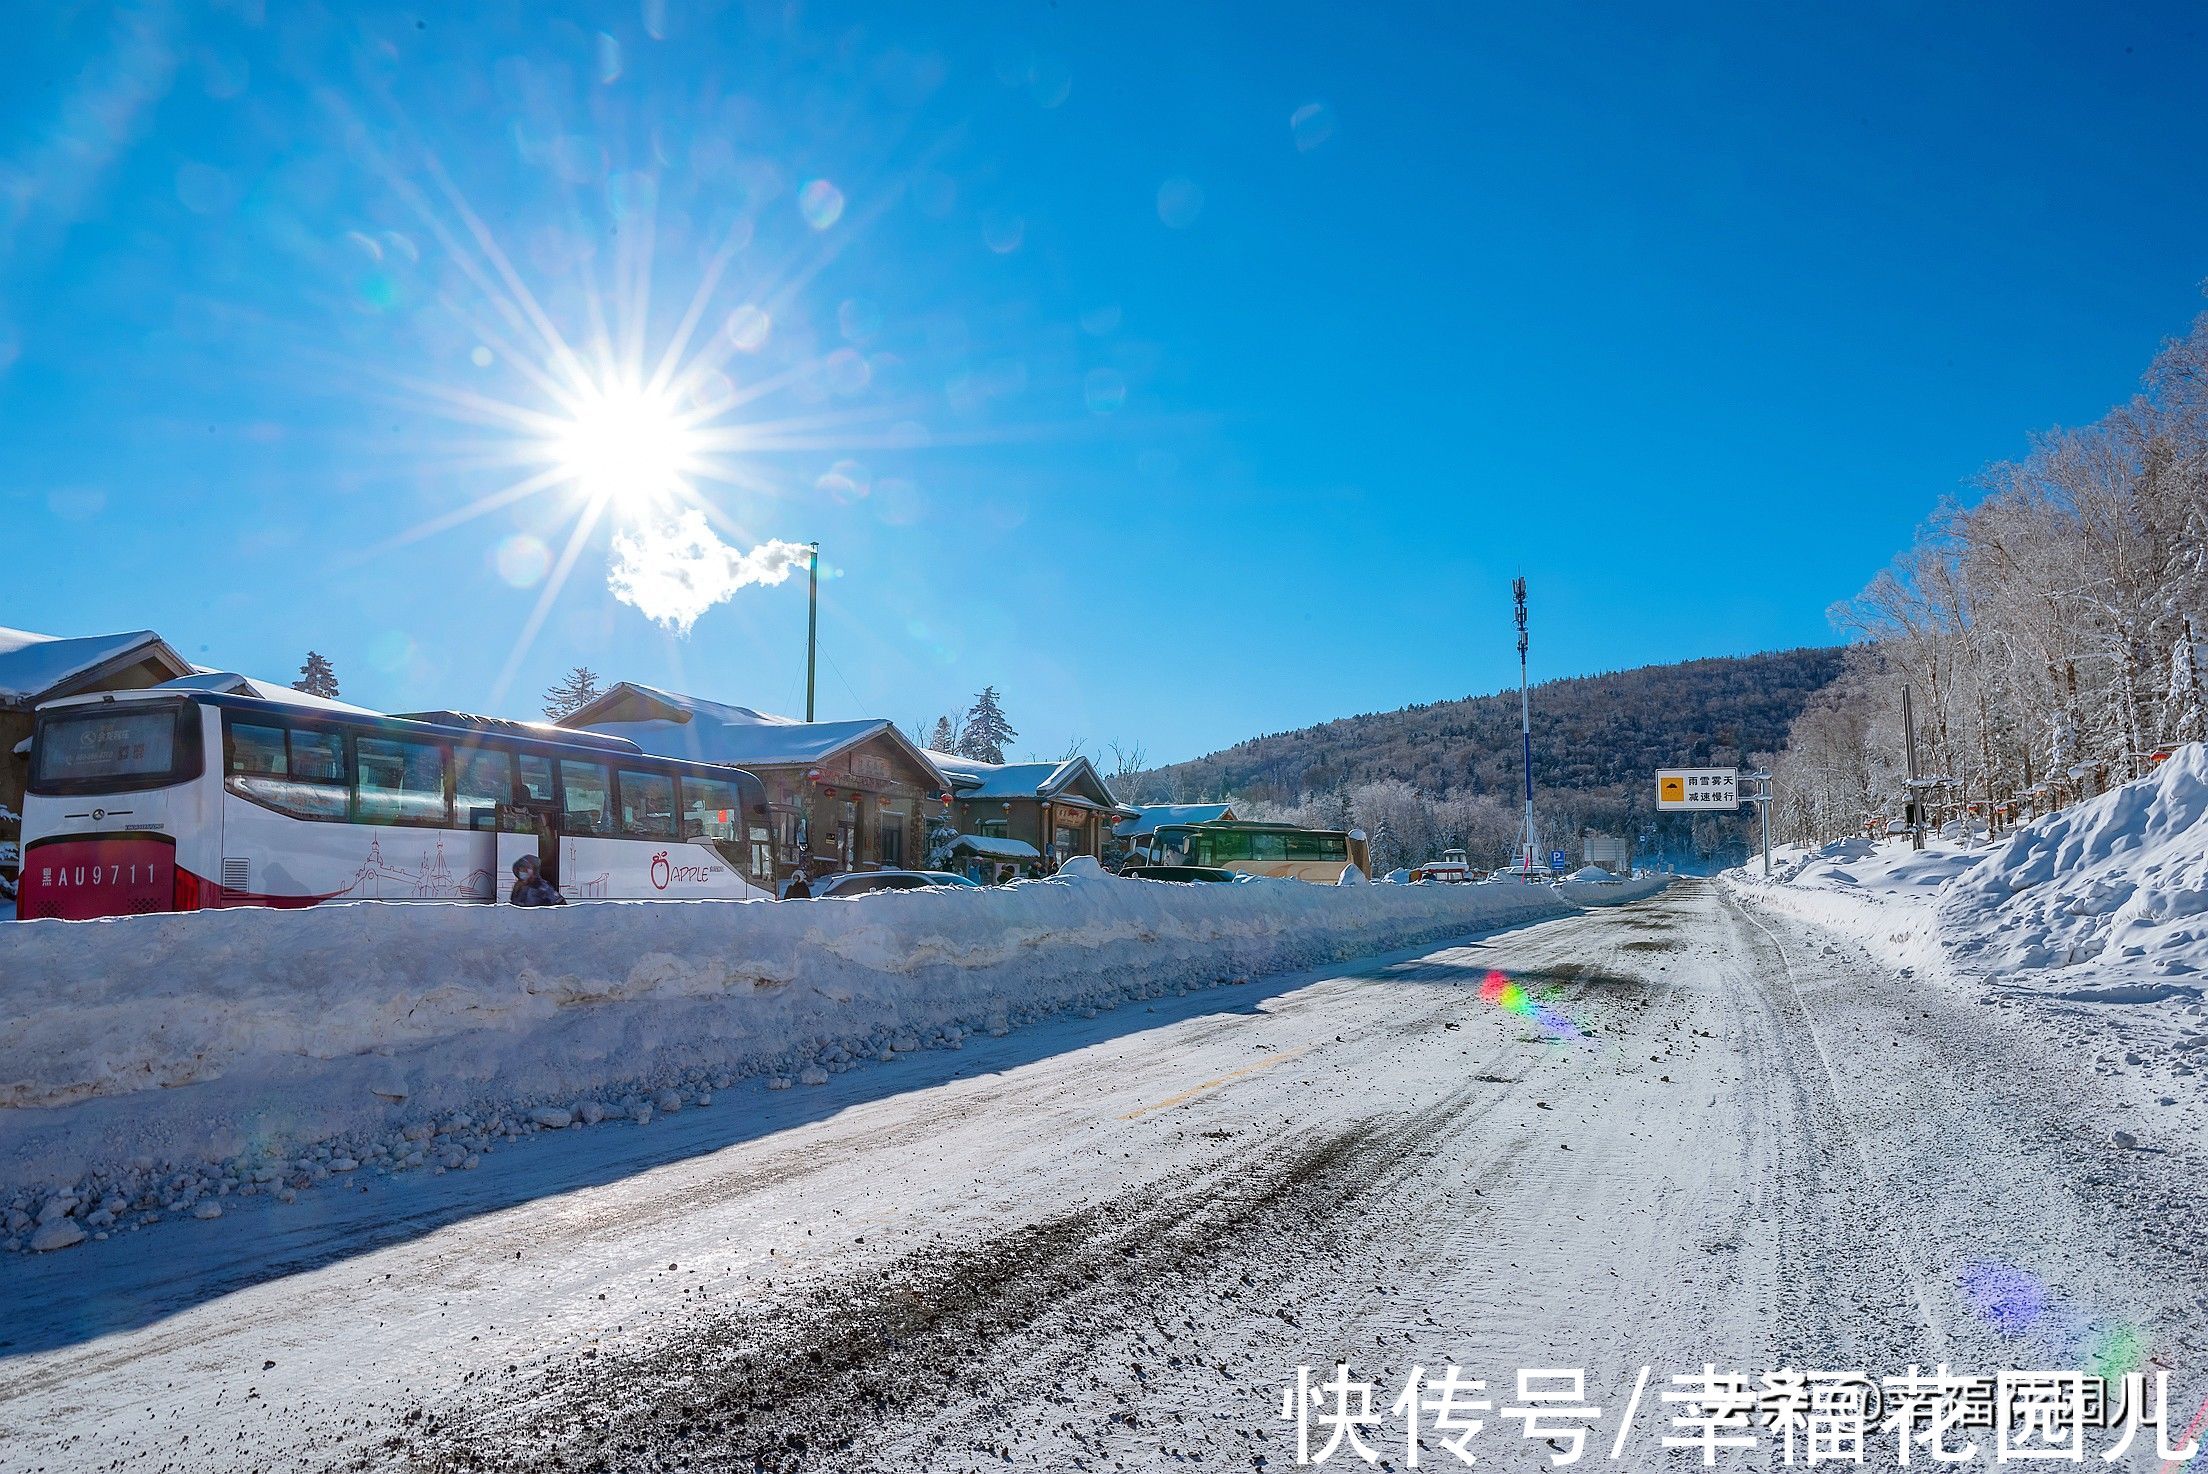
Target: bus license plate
{"x": 80, "y": 879}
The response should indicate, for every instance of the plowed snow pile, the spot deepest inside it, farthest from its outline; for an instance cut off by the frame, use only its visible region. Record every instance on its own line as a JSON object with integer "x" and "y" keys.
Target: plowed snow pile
{"x": 412, "y": 1036}
{"x": 2113, "y": 893}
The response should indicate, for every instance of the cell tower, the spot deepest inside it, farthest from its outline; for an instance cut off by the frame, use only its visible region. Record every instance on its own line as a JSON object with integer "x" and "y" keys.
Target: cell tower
{"x": 1525, "y": 715}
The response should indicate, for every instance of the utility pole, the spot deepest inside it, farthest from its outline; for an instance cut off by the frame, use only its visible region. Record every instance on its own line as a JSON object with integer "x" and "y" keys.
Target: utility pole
{"x": 1525, "y": 716}
{"x": 812, "y": 625}
{"x": 1916, "y": 792}
{"x": 1762, "y": 800}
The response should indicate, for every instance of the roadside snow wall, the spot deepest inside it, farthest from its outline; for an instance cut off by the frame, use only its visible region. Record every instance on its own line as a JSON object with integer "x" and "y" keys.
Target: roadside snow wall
{"x": 236, "y": 1035}
{"x": 2120, "y": 880}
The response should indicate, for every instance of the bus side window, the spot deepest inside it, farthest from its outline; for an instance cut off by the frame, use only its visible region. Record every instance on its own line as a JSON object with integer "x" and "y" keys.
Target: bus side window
{"x": 647, "y": 804}
{"x": 396, "y": 781}
{"x": 711, "y": 808}
{"x": 536, "y": 778}
{"x": 584, "y": 800}
{"x": 1268, "y": 846}
{"x": 257, "y": 750}
{"x": 481, "y": 780}
{"x": 318, "y": 789}
{"x": 304, "y": 777}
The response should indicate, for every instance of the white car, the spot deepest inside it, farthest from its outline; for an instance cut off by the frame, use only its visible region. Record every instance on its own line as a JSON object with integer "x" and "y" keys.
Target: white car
{"x": 867, "y": 882}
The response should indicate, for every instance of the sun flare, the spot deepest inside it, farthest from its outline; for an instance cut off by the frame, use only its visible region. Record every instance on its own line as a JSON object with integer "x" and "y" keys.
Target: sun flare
{"x": 625, "y": 447}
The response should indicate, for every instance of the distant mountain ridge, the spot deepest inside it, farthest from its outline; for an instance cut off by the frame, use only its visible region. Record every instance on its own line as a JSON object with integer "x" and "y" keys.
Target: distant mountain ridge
{"x": 1598, "y": 735}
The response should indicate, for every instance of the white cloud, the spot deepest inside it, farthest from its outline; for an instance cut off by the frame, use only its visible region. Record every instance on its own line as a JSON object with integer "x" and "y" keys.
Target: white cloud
{"x": 674, "y": 569}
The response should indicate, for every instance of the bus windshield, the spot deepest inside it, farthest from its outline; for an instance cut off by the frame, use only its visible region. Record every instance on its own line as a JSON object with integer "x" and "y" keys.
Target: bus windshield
{"x": 108, "y": 749}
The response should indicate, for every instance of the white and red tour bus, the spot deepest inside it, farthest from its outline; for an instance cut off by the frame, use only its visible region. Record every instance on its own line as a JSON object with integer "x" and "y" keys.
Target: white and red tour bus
{"x": 144, "y": 801}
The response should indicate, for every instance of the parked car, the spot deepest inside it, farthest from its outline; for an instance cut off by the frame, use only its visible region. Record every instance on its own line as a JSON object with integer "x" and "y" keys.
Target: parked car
{"x": 947, "y": 878}
{"x": 867, "y": 882}
{"x": 1200, "y": 873}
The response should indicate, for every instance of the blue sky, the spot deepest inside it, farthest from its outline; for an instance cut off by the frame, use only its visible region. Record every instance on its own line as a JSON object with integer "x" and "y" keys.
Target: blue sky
{"x": 1185, "y": 372}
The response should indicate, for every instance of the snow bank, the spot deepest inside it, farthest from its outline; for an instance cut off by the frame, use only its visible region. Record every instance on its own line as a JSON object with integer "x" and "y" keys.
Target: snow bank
{"x": 244, "y": 1037}
{"x": 2116, "y": 888}
{"x": 2091, "y": 924}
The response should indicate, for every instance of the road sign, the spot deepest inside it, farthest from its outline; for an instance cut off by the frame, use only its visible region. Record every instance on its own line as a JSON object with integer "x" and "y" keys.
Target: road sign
{"x": 1558, "y": 860}
{"x": 1700, "y": 790}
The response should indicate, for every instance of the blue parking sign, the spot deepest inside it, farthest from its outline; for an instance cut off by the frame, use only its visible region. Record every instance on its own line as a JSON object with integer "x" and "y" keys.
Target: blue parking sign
{"x": 1557, "y": 861}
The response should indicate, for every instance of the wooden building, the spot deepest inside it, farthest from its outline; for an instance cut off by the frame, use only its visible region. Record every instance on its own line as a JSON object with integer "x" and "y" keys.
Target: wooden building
{"x": 1058, "y": 809}
{"x": 841, "y": 796}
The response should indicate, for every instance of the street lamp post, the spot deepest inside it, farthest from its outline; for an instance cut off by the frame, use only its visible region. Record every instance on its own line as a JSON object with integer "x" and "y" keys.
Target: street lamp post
{"x": 1525, "y": 717}
{"x": 812, "y": 624}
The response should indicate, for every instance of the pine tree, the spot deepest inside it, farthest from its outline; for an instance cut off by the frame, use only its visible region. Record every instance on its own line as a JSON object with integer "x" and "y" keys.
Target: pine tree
{"x": 986, "y": 730}
{"x": 946, "y": 736}
{"x": 576, "y": 690}
{"x": 317, "y": 677}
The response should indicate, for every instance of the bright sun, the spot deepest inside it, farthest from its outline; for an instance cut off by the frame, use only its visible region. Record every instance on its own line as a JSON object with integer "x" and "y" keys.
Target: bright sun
{"x": 625, "y": 446}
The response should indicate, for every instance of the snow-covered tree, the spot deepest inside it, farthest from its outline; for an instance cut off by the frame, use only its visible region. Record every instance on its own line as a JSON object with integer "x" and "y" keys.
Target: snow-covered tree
{"x": 2045, "y": 631}
{"x": 942, "y": 834}
{"x": 986, "y": 729}
{"x": 2187, "y": 718}
{"x": 317, "y": 677}
{"x": 576, "y": 690}
{"x": 945, "y": 736}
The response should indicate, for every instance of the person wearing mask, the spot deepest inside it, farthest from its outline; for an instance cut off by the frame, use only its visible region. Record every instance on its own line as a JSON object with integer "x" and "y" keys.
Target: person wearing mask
{"x": 530, "y": 886}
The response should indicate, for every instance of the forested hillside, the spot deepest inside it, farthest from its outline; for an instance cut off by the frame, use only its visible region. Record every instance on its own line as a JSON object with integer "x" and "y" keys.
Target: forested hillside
{"x": 1452, "y": 768}
{"x": 2049, "y": 630}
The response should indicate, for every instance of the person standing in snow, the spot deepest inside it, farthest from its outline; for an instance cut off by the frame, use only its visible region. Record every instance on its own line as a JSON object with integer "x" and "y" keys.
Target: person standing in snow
{"x": 798, "y": 889}
{"x": 530, "y": 886}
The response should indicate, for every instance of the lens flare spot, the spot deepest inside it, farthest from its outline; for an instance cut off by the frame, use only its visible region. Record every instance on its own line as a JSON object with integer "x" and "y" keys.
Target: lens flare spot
{"x": 858, "y": 320}
{"x": 522, "y": 561}
{"x": 1311, "y": 125}
{"x": 393, "y": 651}
{"x": 1002, "y": 233}
{"x": 1105, "y": 390}
{"x": 845, "y": 482}
{"x": 1180, "y": 201}
{"x": 748, "y": 328}
{"x": 2115, "y": 1351}
{"x": 847, "y": 370}
{"x": 821, "y": 203}
{"x": 2010, "y": 1299}
{"x": 1498, "y": 988}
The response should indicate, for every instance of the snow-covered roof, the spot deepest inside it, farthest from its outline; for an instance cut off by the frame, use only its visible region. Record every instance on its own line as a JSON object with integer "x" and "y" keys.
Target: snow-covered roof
{"x": 715, "y": 732}
{"x": 973, "y": 778}
{"x": 230, "y": 683}
{"x": 1152, "y": 815}
{"x": 963, "y": 772}
{"x": 996, "y": 847}
{"x": 33, "y": 666}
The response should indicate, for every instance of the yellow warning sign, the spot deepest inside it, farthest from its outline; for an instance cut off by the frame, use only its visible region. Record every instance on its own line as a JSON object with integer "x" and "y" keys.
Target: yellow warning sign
{"x": 1671, "y": 788}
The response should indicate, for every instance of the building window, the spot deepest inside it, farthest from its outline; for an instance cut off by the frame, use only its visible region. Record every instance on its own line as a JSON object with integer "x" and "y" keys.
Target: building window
{"x": 995, "y": 829}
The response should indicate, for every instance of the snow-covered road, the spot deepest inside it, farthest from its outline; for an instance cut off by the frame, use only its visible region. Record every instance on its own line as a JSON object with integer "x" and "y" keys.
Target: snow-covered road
{"x": 1722, "y": 1136}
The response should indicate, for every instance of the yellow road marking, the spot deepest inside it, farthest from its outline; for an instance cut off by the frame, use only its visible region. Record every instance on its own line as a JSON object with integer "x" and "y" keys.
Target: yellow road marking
{"x": 1227, "y": 1079}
